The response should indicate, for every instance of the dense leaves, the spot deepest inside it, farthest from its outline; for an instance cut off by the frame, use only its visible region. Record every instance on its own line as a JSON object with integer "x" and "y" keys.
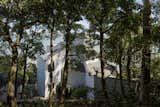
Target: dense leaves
{"x": 126, "y": 32}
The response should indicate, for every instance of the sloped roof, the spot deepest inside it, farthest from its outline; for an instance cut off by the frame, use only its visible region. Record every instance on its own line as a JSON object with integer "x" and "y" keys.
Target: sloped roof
{"x": 93, "y": 68}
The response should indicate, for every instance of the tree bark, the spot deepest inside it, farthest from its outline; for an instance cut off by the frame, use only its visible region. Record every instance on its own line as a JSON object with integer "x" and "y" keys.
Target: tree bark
{"x": 11, "y": 77}
{"x": 145, "y": 75}
{"x": 65, "y": 73}
{"x": 19, "y": 37}
{"x": 103, "y": 82}
{"x": 24, "y": 71}
{"x": 16, "y": 81}
{"x": 120, "y": 70}
{"x": 52, "y": 68}
{"x": 128, "y": 68}
{"x": 66, "y": 65}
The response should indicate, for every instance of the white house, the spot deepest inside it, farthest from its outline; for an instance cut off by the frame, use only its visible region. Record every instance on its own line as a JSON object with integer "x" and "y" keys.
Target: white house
{"x": 93, "y": 72}
{"x": 43, "y": 79}
{"x": 86, "y": 76}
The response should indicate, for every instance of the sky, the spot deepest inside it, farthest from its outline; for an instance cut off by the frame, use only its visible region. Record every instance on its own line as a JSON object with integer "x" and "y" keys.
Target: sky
{"x": 139, "y": 1}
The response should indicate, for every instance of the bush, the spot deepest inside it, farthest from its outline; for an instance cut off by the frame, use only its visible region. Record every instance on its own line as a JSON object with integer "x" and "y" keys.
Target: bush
{"x": 1, "y": 104}
{"x": 79, "y": 92}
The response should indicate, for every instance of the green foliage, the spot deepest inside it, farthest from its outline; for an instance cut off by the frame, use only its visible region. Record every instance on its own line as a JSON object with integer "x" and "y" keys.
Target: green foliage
{"x": 155, "y": 67}
{"x": 21, "y": 23}
{"x": 155, "y": 92}
{"x": 32, "y": 44}
{"x": 1, "y": 104}
{"x": 32, "y": 72}
{"x": 3, "y": 1}
{"x": 80, "y": 92}
{"x": 4, "y": 64}
{"x": 20, "y": 75}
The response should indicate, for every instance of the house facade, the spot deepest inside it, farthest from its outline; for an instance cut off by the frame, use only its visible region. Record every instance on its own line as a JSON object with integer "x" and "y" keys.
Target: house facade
{"x": 88, "y": 75}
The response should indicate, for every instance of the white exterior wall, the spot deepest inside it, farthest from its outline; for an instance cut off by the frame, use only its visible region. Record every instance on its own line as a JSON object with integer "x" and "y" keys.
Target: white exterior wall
{"x": 89, "y": 79}
{"x": 47, "y": 80}
{"x": 93, "y": 68}
{"x": 43, "y": 79}
{"x": 40, "y": 77}
{"x": 76, "y": 79}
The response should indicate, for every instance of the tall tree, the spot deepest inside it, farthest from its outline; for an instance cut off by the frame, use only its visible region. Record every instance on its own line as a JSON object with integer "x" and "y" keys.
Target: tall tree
{"x": 14, "y": 12}
{"x": 71, "y": 13}
{"x": 14, "y": 46}
{"x": 146, "y": 55}
{"x": 120, "y": 42}
{"x": 31, "y": 47}
{"x": 52, "y": 14}
{"x": 51, "y": 25}
{"x": 99, "y": 14}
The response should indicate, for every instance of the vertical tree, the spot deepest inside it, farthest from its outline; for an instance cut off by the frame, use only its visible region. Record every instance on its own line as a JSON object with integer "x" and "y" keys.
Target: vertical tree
{"x": 71, "y": 13}
{"x": 145, "y": 76}
{"x": 14, "y": 13}
{"x": 31, "y": 46}
{"x": 51, "y": 15}
{"x": 10, "y": 15}
{"x": 99, "y": 14}
{"x": 120, "y": 42}
{"x": 50, "y": 6}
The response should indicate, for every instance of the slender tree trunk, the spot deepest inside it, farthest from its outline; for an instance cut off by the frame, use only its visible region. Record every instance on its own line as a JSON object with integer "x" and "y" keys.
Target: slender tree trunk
{"x": 18, "y": 39}
{"x": 103, "y": 82}
{"x": 11, "y": 77}
{"x": 145, "y": 76}
{"x": 11, "y": 99}
{"x": 24, "y": 72}
{"x": 129, "y": 13}
{"x": 129, "y": 57}
{"x": 52, "y": 68}
{"x": 16, "y": 81}
{"x": 65, "y": 73}
{"x": 120, "y": 70}
{"x": 128, "y": 69}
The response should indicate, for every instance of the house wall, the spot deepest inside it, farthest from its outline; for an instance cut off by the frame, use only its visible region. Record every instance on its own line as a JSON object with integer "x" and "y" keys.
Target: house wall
{"x": 112, "y": 84}
{"x": 47, "y": 80}
{"x": 76, "y": 79}
{"x": 41, "y": 77}
{"x": 89, "y": 80}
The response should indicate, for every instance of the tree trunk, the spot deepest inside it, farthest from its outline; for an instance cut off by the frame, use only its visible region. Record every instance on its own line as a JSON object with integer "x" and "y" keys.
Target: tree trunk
{"x": 11, "y": 77}
{"x": 16, "y": 81}
{"x": 128, "y": 68}
{"x": 103, "y": 82}
{"x": 52, "y": 68}
{"x": 120, "y": 70}
{"x": 24, "y": 72}
{"x": 65, "y": 72}
{"x": 14, "y": 65}
{"x": 145, "y": 76}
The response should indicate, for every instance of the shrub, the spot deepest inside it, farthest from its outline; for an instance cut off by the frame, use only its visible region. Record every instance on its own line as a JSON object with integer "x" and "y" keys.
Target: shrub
{"x": 79, "y": 92}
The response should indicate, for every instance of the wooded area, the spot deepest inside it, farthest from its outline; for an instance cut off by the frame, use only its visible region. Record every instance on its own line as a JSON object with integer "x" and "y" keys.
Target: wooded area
{"x": 126, "y": 32}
